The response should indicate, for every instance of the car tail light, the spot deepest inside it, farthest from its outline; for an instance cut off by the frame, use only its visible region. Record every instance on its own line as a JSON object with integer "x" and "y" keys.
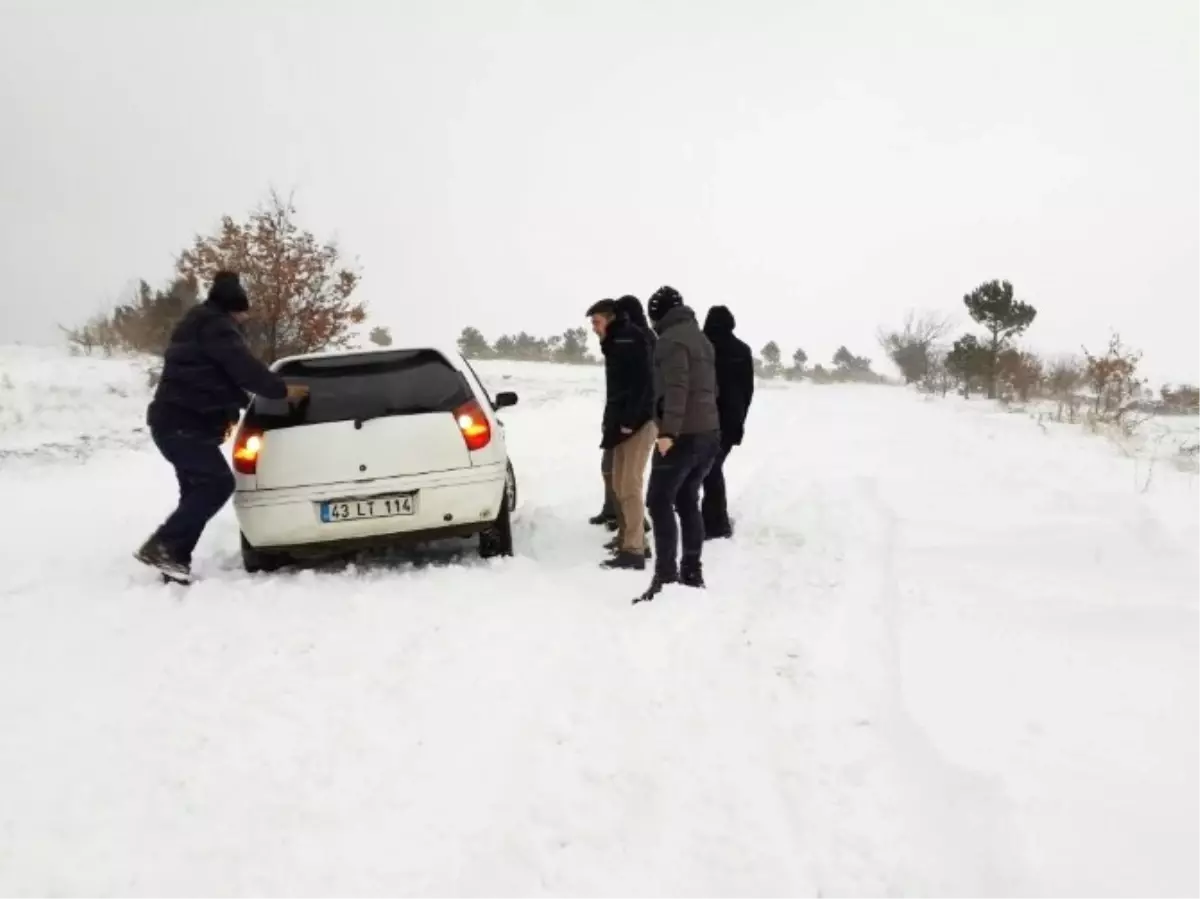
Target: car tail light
{"x": 246, "y": 449}
{"x": 476, "y": 430}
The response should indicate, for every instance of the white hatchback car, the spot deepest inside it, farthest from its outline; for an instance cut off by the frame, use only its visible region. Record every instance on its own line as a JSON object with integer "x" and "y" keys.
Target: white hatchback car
{"x": 390, "y": 446}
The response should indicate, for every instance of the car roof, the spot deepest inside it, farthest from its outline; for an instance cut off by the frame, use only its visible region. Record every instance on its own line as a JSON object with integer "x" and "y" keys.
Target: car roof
{"x": 451, "y": 353}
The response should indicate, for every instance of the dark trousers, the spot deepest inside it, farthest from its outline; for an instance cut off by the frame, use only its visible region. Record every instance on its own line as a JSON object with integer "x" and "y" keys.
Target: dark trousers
{"x": 675, "y": 481}
{"x": 714, "y": 508}
{"x": 205, "y": 485}
{"x": 609, "y": 509}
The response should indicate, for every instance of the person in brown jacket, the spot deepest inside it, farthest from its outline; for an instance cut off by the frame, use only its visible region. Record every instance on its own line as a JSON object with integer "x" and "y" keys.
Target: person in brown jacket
{"x": 689, "y": 440}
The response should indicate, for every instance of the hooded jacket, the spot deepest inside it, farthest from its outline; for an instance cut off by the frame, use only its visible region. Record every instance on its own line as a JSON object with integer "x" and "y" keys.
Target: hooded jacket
{"x": 735, "y": 373}
{"x": 628, "y": 378}
{"x": 207, "y": 373}
{"x": 685, "y": 380}
{"x": 631, "y": 308}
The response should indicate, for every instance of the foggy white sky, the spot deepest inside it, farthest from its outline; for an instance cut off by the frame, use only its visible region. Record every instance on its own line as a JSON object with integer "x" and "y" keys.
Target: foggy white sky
{"x": 817, "y": 166}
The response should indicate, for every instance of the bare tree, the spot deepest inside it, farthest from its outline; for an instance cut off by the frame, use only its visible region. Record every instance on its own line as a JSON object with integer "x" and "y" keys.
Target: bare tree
{"x": 1020, "y": 373}
{"x": 300, "y": 288}
{"x": 912, "y": 346}
{"x": 938, "y": 378}
{"x": 1113, "y": 377}
{"x": 1063, "y": 379}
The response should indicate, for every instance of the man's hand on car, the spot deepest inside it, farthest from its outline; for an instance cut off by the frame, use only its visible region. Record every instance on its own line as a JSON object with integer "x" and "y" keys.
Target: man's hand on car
{"x": 296, "y": 392}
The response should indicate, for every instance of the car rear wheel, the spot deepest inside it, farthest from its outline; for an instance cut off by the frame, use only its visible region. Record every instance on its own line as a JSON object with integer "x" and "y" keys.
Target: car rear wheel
{"x": 510, "y": 488}
{"x": 497, "y": 540}
{"x": 254, "y": 560}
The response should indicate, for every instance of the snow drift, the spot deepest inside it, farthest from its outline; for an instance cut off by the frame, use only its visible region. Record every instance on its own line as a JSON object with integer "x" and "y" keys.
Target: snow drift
{"x": 949, "y": 652}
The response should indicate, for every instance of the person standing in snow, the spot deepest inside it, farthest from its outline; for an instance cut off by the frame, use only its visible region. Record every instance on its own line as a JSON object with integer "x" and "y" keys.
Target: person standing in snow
{"x": 631, "y": 306}
{"x": 689, "y": 439}
{"x": 207, "y": 373}
{"x": 607, "y": 516}
{"x": 628, "y": 430}
{"x": 735, "y": 390}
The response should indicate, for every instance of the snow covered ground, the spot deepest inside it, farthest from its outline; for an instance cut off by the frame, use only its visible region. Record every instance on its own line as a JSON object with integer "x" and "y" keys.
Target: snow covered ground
{"x": 948, "y": 653}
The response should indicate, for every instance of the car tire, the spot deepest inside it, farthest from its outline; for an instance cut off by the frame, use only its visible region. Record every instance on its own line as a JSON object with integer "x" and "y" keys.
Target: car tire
{"x": 254, "y": 560}
{"x": 497, "y": 540}
{"x": 510, "y": 487}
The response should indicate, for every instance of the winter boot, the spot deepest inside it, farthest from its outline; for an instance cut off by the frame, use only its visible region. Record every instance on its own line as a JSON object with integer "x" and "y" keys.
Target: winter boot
{"x": 614, "y": 545}
{"x": 153, "y": 554}
{"x": 605, "y": 518}
{"x": 657, "y": 583}
{"x": 691, "y": 573}
{"x": 625, "y": 561}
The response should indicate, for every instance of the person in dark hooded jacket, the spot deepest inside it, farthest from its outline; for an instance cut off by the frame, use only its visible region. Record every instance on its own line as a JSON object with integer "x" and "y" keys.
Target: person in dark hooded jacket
{"x": 685, "y": 409}
{"x": 207, "y": 374}
{"x": 735, "y": 390}
{"x": 630, "y": 309}
{"x": 627, "y": 430}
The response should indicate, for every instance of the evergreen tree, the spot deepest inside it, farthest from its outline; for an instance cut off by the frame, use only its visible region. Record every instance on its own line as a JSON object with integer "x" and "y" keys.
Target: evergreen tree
{"x": 993, "y": 306}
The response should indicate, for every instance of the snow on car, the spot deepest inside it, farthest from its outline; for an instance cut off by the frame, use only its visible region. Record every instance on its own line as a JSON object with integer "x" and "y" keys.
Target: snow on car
{"x": 398, "y": 445}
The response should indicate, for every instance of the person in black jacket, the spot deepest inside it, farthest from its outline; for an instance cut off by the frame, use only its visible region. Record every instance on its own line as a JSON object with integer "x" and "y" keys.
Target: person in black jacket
{"x": 207, "y": 373}
{"x": 631, "y": 308}
{"x": 627, "y": 429}
{"x": 735, "y": 390}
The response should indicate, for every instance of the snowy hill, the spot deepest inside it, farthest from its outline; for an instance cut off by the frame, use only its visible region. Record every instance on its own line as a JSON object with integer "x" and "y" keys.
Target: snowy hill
{"x": 950, "y": 651}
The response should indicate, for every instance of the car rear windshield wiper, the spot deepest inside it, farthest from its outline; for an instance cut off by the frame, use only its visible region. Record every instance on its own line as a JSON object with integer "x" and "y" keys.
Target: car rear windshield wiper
{"x": 393, "y": 410}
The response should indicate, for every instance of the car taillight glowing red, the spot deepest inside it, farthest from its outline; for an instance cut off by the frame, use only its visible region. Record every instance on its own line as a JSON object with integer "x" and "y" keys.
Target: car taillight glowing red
{"x": 474, "y": 425}
{"x": 246, "y": 450}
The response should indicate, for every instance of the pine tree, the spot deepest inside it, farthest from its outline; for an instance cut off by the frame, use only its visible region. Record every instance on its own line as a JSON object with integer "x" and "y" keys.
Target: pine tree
{"x": 473, "y": 345}
{"x": 993, "y": 306}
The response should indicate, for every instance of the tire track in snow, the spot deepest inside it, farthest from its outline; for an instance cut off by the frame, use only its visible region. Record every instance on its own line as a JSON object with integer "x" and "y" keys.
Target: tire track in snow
{"x": 945, "y": 830}
{"x": 509, "y": 728}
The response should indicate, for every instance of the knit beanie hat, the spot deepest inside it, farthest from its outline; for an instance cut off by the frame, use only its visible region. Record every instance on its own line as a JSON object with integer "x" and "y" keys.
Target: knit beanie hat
{"x": 227, "y": 293}
{"x": 663, "y": 301}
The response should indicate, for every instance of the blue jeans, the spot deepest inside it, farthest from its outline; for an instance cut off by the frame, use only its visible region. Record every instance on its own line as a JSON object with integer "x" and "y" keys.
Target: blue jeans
{"x": 205, "y": 485}
{"x": 674, "y": 489}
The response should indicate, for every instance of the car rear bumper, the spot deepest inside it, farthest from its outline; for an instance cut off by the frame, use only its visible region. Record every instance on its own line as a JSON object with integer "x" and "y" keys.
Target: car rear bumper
{"x": 447, "y": 503}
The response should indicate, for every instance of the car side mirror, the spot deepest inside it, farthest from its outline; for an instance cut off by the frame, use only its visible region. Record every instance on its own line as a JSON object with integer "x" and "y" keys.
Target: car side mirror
{"x": 506, "y": 399}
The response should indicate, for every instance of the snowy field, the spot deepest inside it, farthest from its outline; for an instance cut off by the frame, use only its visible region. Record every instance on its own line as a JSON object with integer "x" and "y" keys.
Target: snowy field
{"x": 950, "y": 652}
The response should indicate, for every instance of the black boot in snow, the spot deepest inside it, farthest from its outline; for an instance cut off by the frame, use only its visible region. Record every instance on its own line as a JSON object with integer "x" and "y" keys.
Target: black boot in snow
{"x": 604, "y": 518}
{"x": 718, "y": 533}
{"x": 625, "y": 561}
{"x": 657, "y": 583}
{"x": 153, "y": 554}
{"x": 691, "y": 574}
{"x": 614, "y": 545}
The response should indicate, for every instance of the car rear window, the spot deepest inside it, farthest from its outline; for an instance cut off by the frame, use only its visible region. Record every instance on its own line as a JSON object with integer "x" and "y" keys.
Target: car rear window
{"x": 363, "y": 386}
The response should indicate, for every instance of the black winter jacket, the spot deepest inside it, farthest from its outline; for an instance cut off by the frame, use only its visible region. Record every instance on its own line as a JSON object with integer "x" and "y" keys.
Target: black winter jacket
{"x": 629, "y": 381}
{"x": 207, "y": 373}
{"x": 685, "y": 379}
{"x": 735, "y": 374}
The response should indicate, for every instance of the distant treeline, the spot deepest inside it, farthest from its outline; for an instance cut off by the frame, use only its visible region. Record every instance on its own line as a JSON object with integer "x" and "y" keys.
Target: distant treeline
{"x": 570, "y": 347}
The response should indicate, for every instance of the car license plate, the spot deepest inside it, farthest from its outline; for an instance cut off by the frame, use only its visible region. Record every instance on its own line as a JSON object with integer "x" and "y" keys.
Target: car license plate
{"x": 375, "y": 507}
